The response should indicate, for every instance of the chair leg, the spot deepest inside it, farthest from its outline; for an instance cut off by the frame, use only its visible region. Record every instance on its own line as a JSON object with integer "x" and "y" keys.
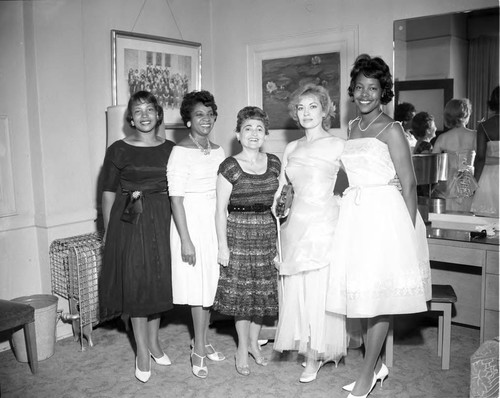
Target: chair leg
{"x": 445, "y": 360}
{"x": 31, "y": 349}
{"x": 440, "y": 336}
{"x": 389, "y": 343}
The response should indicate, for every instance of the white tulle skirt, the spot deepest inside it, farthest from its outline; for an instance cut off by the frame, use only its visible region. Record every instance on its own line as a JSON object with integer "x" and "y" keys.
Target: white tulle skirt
{"x": 304, "y": 324}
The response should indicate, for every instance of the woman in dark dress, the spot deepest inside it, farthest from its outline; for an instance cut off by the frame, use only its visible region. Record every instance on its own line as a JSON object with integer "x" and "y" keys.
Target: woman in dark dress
{"x": 246, "y": 186}
{"x": 136, "y": 273}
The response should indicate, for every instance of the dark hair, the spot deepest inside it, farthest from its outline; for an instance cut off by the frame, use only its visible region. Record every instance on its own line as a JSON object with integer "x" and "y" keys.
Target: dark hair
{"x": 493, "y": 102}
{"x": 321, "y": 93}
{"x": 253, "y": 113}
{"x": 420, "y": 123}
{"x": 143, "y": 97}
{"x": 404, "y": 112}
{"x": 196, "y": 97}
{"x": 372, "y": 68}
{"x": 457, "y": 112}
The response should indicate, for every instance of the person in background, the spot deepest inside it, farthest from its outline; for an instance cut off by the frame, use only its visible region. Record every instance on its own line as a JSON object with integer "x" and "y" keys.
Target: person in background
{"x": 310, "y": 164}
{"x": 372, "y": 277}
{"x": 192, "y": 174}
{"x": 136, "y": 273}
{"x": 459, "y": 143}
{"x": 404, "y": 113}
{"x": 485, "y": 201}
{"x": 424, "y": 130}
{"x": 247, "y": 235}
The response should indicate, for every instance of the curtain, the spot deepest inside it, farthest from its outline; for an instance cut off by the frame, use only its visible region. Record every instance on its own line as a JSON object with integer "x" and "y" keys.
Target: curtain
{"x": 482, "y": 71}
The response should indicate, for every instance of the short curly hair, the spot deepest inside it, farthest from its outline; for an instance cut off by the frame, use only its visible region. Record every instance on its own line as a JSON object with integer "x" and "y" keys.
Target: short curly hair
{"x": 457, "y": 112}
{"x": 143, "y": 97}
{"x": 321, "y": 93}
{"x": 196, "y": 97}
{"x": 420, "y": 123}
{"x": 493, "y": 102}
{"x": 404, "y": 112}
{"x": 372, "y": 68}
{"x": 253, "y": 113}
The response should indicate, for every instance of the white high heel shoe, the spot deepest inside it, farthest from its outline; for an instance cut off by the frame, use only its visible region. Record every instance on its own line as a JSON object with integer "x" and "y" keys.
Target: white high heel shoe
{"x": 163, "y": 360}
{"x": 381, "y": 375}
{"x": 308, "y": 377}
{"x": 141, "y": 375}
{"x": 374, "y": 381}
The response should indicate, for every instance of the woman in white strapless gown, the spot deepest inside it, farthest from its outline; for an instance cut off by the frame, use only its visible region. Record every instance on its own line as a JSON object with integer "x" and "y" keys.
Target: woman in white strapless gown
{"x": 311, "y": 165}
{"x": 381, "y": 263}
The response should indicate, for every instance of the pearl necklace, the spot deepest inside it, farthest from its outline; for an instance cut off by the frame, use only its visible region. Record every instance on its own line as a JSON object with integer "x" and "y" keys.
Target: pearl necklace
{"x": 367, "y": 127}
{"x": 205, "y": 151}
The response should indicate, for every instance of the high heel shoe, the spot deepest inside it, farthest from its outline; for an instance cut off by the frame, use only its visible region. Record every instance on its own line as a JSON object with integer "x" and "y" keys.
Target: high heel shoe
{"x": 374, "y": 381}
{"x": 259, "y": 359}
{"x": 306, "y": 377}
{"x": 214, "y": 355}
{"x": 242, "y": 370}
{"x": 381, "y": 375}
{"x": 163, "y": 360}
{"x": 142, "y": 375}
{"x": 199, "y": 371}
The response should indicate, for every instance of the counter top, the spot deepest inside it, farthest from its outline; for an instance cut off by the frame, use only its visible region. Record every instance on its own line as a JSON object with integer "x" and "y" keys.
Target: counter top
{"x": 462, "y": 236}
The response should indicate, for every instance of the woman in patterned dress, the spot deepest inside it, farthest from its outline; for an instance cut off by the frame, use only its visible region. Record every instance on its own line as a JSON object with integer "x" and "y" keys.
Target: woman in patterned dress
{"x": 135, "y": 277}
{"x": 192, "y": 174}
{"x": 246, "y": 186}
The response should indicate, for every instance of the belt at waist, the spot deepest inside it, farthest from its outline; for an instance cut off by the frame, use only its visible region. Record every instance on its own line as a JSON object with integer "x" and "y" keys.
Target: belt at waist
{"x": 135, "y": 203}
{"x": 357, "y": 190}
{"x": 257, "y": 208}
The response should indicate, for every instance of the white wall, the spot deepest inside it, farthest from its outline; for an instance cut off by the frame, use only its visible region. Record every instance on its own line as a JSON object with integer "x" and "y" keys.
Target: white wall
{"x": 55, "y": 86}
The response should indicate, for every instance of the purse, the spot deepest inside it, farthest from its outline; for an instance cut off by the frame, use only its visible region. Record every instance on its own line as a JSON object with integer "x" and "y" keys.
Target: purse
{"x": 284, "y": 202}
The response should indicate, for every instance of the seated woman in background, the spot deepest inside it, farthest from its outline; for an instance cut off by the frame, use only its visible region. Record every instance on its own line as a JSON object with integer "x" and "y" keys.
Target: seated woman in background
{"x": 485, "y": 202}
{"x": 424, "y": 130}
{"x": 460, "y": 144}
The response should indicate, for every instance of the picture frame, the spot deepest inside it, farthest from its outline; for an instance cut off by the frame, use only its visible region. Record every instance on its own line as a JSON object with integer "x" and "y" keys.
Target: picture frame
{"x": 324, "y": 57}
{"x": 168, "y": 68}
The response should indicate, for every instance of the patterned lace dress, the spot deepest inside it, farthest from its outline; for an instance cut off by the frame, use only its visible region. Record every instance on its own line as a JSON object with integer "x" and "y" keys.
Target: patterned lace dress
{"x": 248, "y": 285}
{"x": 381, "y": 259}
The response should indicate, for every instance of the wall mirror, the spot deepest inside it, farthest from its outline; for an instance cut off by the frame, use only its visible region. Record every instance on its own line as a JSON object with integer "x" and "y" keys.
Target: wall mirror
{"x": 446, "y": 56}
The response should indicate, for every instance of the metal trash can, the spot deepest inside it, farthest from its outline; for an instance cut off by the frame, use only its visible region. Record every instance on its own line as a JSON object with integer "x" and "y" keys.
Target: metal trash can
{"x": 45, "y": 326}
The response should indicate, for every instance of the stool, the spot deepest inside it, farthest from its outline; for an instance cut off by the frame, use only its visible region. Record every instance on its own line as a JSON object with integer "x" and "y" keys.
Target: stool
{"x": 443, "y": 297}
{"x": 14, "y": 314}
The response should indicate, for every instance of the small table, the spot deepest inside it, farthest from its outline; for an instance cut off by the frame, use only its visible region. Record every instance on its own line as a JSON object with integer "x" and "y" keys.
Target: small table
{"x": 471, "y": 267}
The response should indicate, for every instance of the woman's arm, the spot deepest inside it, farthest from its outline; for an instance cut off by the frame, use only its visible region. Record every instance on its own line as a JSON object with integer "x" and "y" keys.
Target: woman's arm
{"x": 108, "y": 199}
{"x": 401, "y": 157}
{"x": 224, "y": 189}
{"x": 188, "y": 252}
{"x": 481, "y": 142}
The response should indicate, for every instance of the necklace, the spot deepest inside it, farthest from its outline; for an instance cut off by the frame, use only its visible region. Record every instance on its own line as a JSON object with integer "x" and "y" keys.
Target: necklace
{"x": 205, "y": 151}
{"x": 369, "y": 124}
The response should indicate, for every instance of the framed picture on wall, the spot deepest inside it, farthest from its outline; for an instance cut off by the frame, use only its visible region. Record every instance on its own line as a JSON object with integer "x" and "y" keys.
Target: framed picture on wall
{"x": 168, "y": 68}
{"x": 277, "y": 68}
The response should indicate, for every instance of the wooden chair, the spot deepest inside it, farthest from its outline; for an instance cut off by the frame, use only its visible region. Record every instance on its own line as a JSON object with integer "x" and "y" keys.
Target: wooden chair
{"x": 443, "y": 297}
{"x": 13, "y": 315}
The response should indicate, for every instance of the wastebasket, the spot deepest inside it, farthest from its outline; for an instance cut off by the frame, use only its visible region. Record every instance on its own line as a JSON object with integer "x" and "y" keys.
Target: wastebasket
{"x": 45, "y": 326}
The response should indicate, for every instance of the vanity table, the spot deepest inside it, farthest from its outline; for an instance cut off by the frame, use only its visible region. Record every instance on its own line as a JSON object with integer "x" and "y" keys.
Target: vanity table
{"x": 470, "y": 264}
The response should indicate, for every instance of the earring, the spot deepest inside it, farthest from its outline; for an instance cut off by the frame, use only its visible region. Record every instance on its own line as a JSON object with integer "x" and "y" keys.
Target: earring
{"x": 132, "y": 123}
{"x": 188, "y": 124}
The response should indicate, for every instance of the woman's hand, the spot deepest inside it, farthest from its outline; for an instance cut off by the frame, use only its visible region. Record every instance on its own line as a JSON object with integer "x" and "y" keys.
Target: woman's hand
{"x": 188, "y": 252}
{"x": 223, "y": 256}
